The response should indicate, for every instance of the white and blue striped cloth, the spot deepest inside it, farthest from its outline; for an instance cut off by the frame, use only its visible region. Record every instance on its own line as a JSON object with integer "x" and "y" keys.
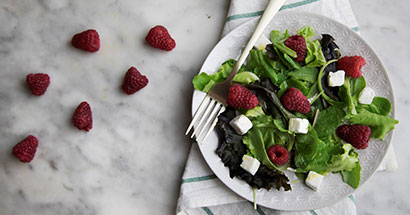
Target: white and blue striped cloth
{"x": 201, "y": 191}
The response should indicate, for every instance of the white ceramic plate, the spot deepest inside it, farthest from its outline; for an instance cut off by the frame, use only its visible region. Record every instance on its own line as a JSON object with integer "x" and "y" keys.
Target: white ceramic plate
{"x": 332, "y": 188}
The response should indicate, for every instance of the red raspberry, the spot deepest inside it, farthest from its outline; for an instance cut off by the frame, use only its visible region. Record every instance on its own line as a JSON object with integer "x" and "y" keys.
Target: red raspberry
{"x": 38, "y": 83}
{"x": 278, "y": 154}
{"x": 133, "y": 81}
{"x": 240, "y": 97}
{"x": 294, "y": 100}
{"x": 82, "y": 117}
{"x": 351, "y": 65}
{"x": 158, "y": 37}
{"x": 357, "y": 135}
{"x": 298, "y": 44}
{"x": 88, "y": 40}
{"x": 26, "y": 149}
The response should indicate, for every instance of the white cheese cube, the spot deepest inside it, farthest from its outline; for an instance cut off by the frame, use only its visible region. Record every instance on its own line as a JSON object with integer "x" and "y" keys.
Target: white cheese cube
{"x": 250, "y": 164}
{"x": 335, "y": 79}
{"x": 366, "y": 96}
{"x": 262, "y": 42}
{"x": 298, "y": 125}
{"x": 314, "y": 180}
{"x": 241, "y": 124}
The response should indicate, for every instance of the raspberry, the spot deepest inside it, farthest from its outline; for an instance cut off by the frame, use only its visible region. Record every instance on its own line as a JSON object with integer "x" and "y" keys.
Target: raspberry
{"x": 294, "y": 100}
{"x": 357, "y": 135}
{"x": 38, "y": 83}
{"x": 88, "y": 40}
{"x": 351, "y": 65}
{"x": 133, "y": 81}
{"x": 158, "y": 37}
{"x": 82, "y": 117}
{"x": 278, "y": 154}
{"x": 26, "y": 149}
{"x": 240, "y": 97}
{"x": 298, "y": 44}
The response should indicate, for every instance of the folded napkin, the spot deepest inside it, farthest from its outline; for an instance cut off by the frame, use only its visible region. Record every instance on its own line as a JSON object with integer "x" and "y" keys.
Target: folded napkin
{"x": 201, "y": 191}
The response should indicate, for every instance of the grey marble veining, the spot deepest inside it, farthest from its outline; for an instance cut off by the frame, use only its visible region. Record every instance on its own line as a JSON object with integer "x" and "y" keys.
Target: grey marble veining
{"x": 131, "y": 162}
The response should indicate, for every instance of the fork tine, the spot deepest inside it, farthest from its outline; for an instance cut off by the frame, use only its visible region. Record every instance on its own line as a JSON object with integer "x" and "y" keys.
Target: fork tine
{"x": 197, "y": 113}
{"x": 213, "y": 124}
{"x": 204, "y": 116}
{"x": 211, "y": 116}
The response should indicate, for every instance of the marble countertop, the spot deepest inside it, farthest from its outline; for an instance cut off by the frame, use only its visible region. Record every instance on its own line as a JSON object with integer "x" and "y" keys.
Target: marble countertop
{"x": 131, "y": 162}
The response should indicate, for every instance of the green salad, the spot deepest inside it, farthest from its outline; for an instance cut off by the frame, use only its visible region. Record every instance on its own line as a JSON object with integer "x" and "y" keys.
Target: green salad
{"x": 269, "y": 73}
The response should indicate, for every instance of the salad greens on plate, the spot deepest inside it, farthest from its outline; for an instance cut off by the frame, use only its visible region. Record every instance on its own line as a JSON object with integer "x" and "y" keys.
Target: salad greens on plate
{"x": 327, "y": 146}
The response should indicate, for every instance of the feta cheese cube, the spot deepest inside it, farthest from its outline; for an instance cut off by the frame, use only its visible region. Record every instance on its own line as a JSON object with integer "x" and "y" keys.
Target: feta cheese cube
{"x": 314, "y": 180}
{"x": 262, "y": 42}
{"x": 250, "y": 164}
{"x": 298, "y": 125}
{"x": 366, "y": 96}
{"x": 335, "y": 79}
{"x": 241, "y": 124}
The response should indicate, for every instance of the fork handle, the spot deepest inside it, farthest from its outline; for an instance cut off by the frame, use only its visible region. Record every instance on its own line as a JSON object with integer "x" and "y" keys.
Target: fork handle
{"x": 271, "y": 9}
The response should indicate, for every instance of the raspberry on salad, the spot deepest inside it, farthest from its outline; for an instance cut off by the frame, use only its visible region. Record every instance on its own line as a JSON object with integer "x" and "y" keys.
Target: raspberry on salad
{"x": 241, "y": 97}
{"x": 357, "y": 135}
{"x": 82, "y": 117}
{"x": 26, "y": 149}
{"x": 298, "y": 44}
{"x": 278, "y": 154}
{"x": 88, "y": 40}
{"x": 133, "y": 81}
{"x": 352, "y": 65}
{"x": 294, "y": 100}
{"x": 38, "y": 83}
{"x": 158, "y": 37}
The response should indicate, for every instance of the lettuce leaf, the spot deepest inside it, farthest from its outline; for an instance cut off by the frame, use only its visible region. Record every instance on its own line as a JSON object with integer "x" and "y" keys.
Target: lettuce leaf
{"x": 204, "y": 82}
{"x": 257, "y": 111}
{"x": 314, "y": 54}
{"x": 352, "y": 178}
{"x": 328, "y": 121}
{"x": 245, "y": 77}
{"x": 306, "y": 147}
{"x": 306, "y": 32}
{"x": 308, "y": 74}
{"x": 348, "y": 165}
{"x": 278, "y": 36}
{"x": 264, "y": 67}
{"x": 379, "y": 105}
{"x": 356, "y": 86}
{"x": 312, "y": 154}
{"x": 269, "y": 71}
{"x": 301, "y": 85}
{"x": 201, "y": 80}
{"x": 345, "y": 161}
{"x": 378, "y": 124}
{"x": 350, "y": 91}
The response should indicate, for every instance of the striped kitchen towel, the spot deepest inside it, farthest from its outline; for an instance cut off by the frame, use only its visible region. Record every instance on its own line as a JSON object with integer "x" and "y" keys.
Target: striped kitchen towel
{"x": 201, "y": 191}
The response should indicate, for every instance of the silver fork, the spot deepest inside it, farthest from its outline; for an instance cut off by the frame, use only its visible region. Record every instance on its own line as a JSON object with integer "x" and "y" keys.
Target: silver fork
{"x": 214, "y": 102}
